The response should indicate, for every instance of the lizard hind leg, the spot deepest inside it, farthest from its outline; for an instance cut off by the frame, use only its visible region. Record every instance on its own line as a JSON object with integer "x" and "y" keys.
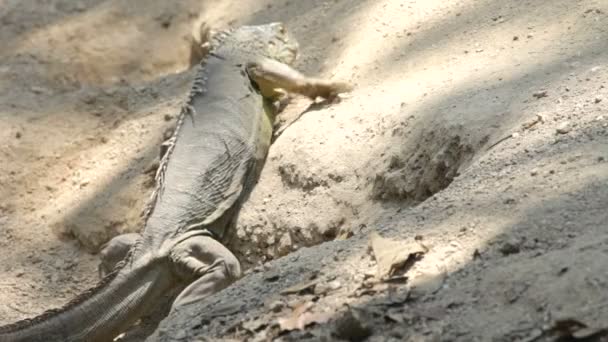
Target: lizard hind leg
{"x": 115, "y": 250}
{"x": 207, "y": 264}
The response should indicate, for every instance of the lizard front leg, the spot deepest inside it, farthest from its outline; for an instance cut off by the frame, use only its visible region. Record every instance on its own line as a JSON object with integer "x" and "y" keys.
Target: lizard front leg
{"x": 272, "y": 76}
{"x": 212, "y": 266}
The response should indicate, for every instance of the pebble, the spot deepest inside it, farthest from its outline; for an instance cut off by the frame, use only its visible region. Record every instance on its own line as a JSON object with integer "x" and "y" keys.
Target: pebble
{"x": 510, "y": 247}
{"x": 563, "y": 128}
{"x": 324, "y": 288}
{"x": 352, "y": 327}
{"x": 39, "y": 90}
{"x": 276, "y": 306}
{"x": 509, "y": 201}
{"x": 272, "y": 275}
{"x": 540, "y": 94}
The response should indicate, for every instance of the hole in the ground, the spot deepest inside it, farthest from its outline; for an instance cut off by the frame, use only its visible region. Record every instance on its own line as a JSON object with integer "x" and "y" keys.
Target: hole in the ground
{"x": 416, "y": 173}
{"x": 409, "y": 175}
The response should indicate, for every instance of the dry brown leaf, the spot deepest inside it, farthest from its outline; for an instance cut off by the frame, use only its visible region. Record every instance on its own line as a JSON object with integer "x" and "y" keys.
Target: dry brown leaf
{"x": 392, "y": 255}
{"x": 574, "y": 330}
{"x": 301, "y": 316}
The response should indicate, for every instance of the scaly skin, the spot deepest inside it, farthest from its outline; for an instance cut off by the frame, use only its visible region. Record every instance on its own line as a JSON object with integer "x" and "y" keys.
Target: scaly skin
{"x": 219, "y": 146}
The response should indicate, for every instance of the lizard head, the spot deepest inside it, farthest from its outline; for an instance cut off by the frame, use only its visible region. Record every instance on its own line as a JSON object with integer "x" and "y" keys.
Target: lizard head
{"x": 269, "y": 40}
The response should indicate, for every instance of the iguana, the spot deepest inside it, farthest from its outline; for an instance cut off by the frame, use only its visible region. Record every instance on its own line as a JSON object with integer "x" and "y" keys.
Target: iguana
{"x": 220, "y": 142}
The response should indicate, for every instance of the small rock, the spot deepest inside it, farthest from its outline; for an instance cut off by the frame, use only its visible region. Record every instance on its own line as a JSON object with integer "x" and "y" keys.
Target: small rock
{"x": 534, "y": 172}
{"x": 18, "y": 135}
{"x": 541, "y": 117}
{"x": 272, "y": 275}
{"x": 515, "y": 38}
{"x": 89, "y": 98}
{"x": 513, "y": 294}
{"x": 540, "y": 94}
{"x": 352, "y": 327}
{"x": 597, "y": 100}
{"x": 39, "y": 90}
{"x": 165, "y": 20}
{"x": 68, "y": 265}
{"x": 563, "y": 128}
{"x": 180, "y": 334}
{"x": 509, "y": 201}
{"x": 324, "y": 288}
{"x": 276, "y": 306}
{"x": 510, "y": 247}
{"x": 426, "y": 284}
{"x": 168, "y": 117}
{"x": 285, "y": 244}
{"x": 59, "y": 264}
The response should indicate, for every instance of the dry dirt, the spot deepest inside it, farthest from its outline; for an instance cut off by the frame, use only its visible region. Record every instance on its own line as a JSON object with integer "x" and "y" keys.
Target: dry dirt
{"x": 517, "y": 231}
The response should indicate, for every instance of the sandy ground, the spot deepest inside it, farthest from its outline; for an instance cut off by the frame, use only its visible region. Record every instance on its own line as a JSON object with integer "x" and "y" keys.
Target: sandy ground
{"x": 517, "y": 232}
